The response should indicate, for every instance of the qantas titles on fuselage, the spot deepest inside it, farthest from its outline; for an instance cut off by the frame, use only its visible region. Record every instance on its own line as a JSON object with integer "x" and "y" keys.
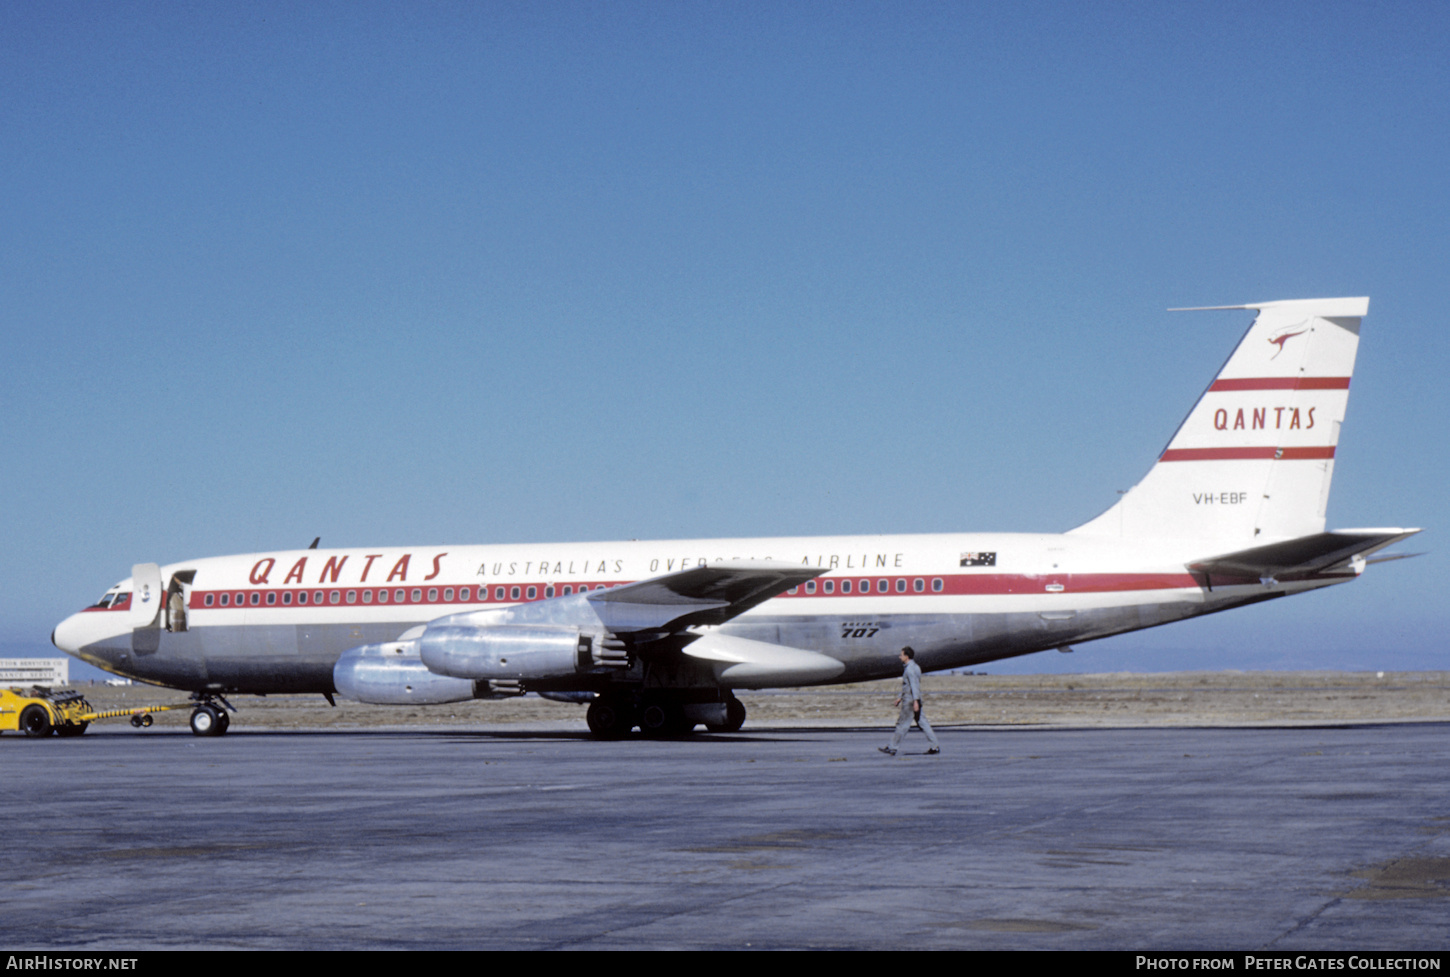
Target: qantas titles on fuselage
{"x": 332, "y": 569}
{"x": 545, "y": 578}
{"x": 658, "y": 634}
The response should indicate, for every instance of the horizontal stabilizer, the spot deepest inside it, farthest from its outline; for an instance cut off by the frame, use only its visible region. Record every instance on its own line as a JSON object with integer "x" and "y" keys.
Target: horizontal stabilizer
{"x": 1318, "y": 553}
{"x": 710, "y": 594}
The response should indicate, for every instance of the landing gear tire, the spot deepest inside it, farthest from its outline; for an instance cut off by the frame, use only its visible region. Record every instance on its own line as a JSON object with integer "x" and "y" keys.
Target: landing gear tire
{"x": 663, "y": 719}
{"x": 208, "y": 721}
{"x": 734, "y": 718}
{"x": 608, "y": 718}
{"x": 35, "y": 721}
{"x": 72, "y": 729}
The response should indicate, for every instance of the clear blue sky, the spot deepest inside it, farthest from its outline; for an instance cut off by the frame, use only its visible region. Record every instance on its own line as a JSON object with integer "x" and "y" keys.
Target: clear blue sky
{"x": 491, "y": 272}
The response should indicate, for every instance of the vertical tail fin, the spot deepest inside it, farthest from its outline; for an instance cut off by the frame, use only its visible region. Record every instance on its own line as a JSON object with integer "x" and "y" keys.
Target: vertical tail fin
{"x": 1254, "y": 458}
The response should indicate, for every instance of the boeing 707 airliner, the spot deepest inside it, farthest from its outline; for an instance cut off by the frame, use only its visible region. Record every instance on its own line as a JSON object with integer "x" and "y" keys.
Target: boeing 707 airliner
{"x": 658, "y": 635}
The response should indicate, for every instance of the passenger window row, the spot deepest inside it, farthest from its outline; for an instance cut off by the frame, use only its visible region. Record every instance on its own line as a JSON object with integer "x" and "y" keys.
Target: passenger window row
{"x": 384, "y": 595}
{"x": 883, "y": 585}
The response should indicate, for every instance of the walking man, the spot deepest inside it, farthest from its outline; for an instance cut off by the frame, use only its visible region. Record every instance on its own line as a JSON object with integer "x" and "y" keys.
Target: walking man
{"x": 910, "y": 703}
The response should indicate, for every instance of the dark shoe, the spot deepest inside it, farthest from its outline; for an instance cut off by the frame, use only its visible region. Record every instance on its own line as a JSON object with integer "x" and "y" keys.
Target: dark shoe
{"x": 887, "y": 750}
{"x": 934, "y": 749}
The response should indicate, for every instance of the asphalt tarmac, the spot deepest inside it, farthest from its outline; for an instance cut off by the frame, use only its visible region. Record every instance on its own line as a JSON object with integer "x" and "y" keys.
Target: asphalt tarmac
{"x": 521, "y": 837}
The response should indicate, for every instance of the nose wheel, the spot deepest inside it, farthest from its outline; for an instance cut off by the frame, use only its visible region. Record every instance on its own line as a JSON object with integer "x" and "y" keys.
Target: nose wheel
{"x": 210, "y": 717}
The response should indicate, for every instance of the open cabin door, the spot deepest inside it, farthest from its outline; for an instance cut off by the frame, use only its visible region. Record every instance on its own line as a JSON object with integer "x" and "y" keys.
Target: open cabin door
{"x": 178, "y": 598}
{"x": 147, "y": 595}
{"x": 157, "y": 605}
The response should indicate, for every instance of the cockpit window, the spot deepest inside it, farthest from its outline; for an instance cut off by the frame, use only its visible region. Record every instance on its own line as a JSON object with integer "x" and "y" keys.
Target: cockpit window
{"x": 112, "y": 600}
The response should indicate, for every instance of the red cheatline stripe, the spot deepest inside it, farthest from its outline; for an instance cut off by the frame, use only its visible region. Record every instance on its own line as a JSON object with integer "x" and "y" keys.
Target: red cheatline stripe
{"x": 1242, "y": 454}
{"x": 1011, "y": 583}
{"x": 1282, "y": 383}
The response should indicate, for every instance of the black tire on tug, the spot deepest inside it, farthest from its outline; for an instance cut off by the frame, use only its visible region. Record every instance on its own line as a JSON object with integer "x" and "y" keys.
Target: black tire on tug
{"x": 35, "y": 721}
{"x": 608, "y": 718}
{"x": 205, "y": 721}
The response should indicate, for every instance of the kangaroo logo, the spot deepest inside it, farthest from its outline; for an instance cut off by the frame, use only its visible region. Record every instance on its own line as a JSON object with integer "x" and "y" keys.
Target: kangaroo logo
{"x": 1283, "y": 338}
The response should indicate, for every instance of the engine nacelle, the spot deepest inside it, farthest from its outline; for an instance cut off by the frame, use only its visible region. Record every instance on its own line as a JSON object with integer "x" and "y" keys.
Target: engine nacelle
{"x": 393, "y": 674}
{"x": 506, "y": 651}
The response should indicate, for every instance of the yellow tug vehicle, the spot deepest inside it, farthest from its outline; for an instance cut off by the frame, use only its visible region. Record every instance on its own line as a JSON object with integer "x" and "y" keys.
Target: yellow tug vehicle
{"x": 41, "y": 712}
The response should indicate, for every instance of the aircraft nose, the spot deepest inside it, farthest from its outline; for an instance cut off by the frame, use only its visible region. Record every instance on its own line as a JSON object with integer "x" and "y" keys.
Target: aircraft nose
{"x": 67, "y": 635}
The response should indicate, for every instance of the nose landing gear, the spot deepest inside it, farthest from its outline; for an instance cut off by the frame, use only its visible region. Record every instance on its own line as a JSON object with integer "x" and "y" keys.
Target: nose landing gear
{"x": 210, "y": 718}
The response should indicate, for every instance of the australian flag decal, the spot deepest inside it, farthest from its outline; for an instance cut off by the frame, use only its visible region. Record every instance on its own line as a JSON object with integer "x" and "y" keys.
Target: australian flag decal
{"x": 979, "y": 559}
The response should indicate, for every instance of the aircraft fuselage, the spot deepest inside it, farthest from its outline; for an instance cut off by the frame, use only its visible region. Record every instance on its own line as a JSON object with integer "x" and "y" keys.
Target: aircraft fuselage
{"x": 277, "y": 621}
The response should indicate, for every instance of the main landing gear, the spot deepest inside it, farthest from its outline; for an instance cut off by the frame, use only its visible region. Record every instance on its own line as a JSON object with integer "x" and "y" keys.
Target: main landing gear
{"x": 734, "y": 717}
{"x": 612, "y": 716}
{"x": 210, "y": 718}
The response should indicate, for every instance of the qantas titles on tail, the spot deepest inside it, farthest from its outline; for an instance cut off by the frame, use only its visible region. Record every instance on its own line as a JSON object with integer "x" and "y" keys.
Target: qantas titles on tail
{"x": 658, "y": 635}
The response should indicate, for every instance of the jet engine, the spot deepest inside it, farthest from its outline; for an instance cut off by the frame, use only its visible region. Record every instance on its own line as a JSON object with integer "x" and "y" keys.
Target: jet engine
{"x": 392, "y": 674}
{"x": 519, "y": 652}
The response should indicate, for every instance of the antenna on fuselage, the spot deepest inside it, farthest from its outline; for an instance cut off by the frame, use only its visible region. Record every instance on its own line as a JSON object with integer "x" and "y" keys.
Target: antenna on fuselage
{"x": 314, "y": 543}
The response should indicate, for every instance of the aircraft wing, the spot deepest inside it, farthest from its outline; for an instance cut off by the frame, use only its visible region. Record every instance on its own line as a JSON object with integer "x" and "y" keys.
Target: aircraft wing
{"x": 544, "y": 640}
{"x": 704, "y": 595}
{"x": 1318, "y": 553}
